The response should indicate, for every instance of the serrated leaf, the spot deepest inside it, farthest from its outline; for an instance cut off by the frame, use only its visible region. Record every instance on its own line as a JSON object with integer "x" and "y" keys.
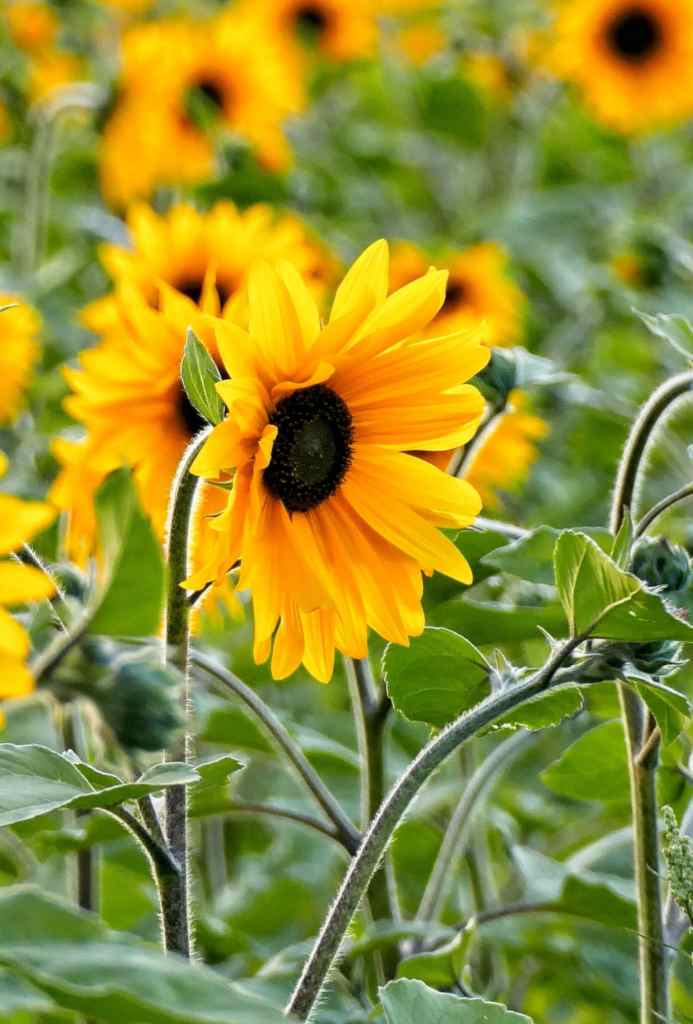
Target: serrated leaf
{"x": 412, "y": 1002}
{"x": 545, "y": 710}
{"x": 35, "y": 780}
{"x": 129, "y": 597}
{"x": 199, "y": 375}
{"x": 595, "y": 767}
{"x": 602, "y": 600}
{"x": 485, "y": 622}
{"x": 675, "y": 329}
{"x": 441, "y": 967}
{"x": 436, "y": 678}
{"x": 114, "y": 977}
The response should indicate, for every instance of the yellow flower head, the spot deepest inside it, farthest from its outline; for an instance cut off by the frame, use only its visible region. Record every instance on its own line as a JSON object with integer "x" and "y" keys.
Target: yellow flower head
{"x": 206, "y": 254}
{"x": 212, "y": 77}
{"x": 19, "y": 329}
{"x": 50, "y": 70}
{"x": 32, "y": 26}
{"x": 422, "y": 40}
{"x": 19, "y": 584}
{"x": 336, "y": 29}
{"x": 632, "y": 59}
{"x": 479, "y": 289}
{"x": 332, "y": 520}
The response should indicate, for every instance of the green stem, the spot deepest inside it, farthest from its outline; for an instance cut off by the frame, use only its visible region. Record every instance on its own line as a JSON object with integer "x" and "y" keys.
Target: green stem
{"x": 395, "y": 805}
{"x": 175, "y": 906}
{"x": 464, "y": 458}
{"x": 661, "y": 507}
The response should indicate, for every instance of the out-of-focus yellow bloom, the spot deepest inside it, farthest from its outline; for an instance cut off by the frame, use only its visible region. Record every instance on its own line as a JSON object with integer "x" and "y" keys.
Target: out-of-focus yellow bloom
{"x": 331, "y": 519}
{"x": 19, "y": 584}
{"x": 19, "y": 329}
{"x": 51, "y": 69}
{"x": 336, "y": 29}
{"x": 184, "y": 247}
{"x": 489, "y": 74}
{"x": 627, "y": 267}
{"x": 479, "y": 289}
{"x": 421, "y": 41}
{"x": 212, "y": 78}
{"x": 506, "y": 456}
{"x": 129, "y": 6}
{"x": 632, "y": 59}
{"x": 32, "y": 26}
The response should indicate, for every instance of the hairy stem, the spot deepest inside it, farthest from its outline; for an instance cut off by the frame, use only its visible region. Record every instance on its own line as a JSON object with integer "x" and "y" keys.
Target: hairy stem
{"x": 661, "y": 507}
{"x": 395, "y": 805}
{"x": 271, "y": 810}
{"x": 348, "y": 836}
{"x": 175, "y": 905}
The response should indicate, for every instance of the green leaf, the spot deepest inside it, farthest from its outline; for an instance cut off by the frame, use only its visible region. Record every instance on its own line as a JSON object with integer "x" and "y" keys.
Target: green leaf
{"x": 595, "y": 767}
{"x": 531, "y": 557}
{"x": 413, "y": 1002}
{"x": 544, "y": 710}
{"x": 35, "y": 780}
{"x": 493, "y": 623}
{"x": 211, "y": 794}
{"x": 199, "y": 374}
{"x": 20, "y": 996}
{"x": 130, "y": 594}
{"x": 602, "y": 600}
{"x": 675, "y": 329}
{"x": 599, "y": 898}
{"x": 437, "y": 677}
{"x": 114, "y": 977}
{"x": 441, "y": 967}
{"x": 671, "y": 709}
{"x": 623, "y": 541}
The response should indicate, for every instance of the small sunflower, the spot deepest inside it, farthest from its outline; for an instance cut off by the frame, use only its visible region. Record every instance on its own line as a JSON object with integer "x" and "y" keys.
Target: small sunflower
{"x": 19, "y": 329}
{"x": 51, "y": 70}
{"x": 212, "y": 78}
{"x": 194, "y": 251}
{"x": 335, "y": 29}
{"x": 479, "y": 288}
{"x": 330, "y": 518}
{"x": 32, "y": 26}
{"x": 632, "y": 59}
{"x": 19, "y": 585}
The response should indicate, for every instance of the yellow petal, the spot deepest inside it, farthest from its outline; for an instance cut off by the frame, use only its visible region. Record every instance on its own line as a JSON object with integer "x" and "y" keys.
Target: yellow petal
{"x": 365, "y": 283}
{"x": 15, "y": 679}
{"x": 20, "y": 584}
{"x": 20, "y": 520}
{"x": 14, "y": 639}
{"x": 303, "y": 302}
{"x": 273, "y": 321}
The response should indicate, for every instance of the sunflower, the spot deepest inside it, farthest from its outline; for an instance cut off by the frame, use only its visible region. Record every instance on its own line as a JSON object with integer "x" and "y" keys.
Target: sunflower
{"x": 479, "y": 288}
{"x": 32, "y": 26}
{"x": 51, "y": 70}
{"x": 212, "y": 78}
{"x": 334, "y": 29}
{"x": 19, "y": 584}
{"x": 19, "y": 329}
{"x": 183, "y": 247}
{"x": 330, "y": 519}
{"x": 420, "y": 41}
{"x": 632, "y": 59}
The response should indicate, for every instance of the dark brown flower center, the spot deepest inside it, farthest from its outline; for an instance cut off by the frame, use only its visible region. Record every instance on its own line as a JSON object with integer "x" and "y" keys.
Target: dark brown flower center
{"x": 310, "y": 21}
{"x": 456, "y": 294}
{"x": 634, "y": 34}
{"x": 312, "y": 449}
{"x": 192, "y": 287}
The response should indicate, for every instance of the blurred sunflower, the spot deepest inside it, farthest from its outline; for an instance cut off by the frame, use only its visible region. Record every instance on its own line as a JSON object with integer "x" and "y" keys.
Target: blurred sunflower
{"x": 421, "y": 40}
{"x": 19, "y": 585}
{"x": 206, "y": 254}
{"x": 19, "y": 329}
{"x": 50, "y": 70}
{"x": 490, "y": 74}
{"x": 335, "y": 29}
{"x": 213, "y": 78}
{"x": 479, "y": 288}
{"x": 633, "y": 59}
{"x": 32, "y": 26}
{"x": 331, "y": 519}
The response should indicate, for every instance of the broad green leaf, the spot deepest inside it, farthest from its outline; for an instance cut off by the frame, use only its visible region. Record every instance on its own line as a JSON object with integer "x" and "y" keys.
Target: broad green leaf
{"x": 199, "y": 374}
{"x": 675, "y": 329}
{"x": 595, "y": 767}
{"x": 671, "y": 709}
{"x": 129, "y": 598}
{"x": 114, "y": 977}
{"x": 531, "y": 557}
{"x": 543, "y": 711}
{"x": 606, "y": 900}
{"x": 19, "y": 996}
{"x": 602, "y": 600}
{"x": 35, "y": 780}
{"x": 622, "y": 542}
{"x": 495, "y": 623}
{"x": 211, "y": 794}
{"x": 384, "y": 934}
{"x": 441, "y": 967}
{"x": 412, "y": 1002}
{"x": 436, "y": 678}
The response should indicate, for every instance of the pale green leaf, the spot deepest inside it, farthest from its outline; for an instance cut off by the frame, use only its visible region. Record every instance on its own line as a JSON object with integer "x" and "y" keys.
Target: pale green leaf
{"x": 199, "y": 374}
{"x": 412, "y": 1002}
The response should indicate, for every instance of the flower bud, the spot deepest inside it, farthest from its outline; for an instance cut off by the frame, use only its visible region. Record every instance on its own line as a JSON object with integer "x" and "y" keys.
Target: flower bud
{"x": 499, "y": 376}
{"x": 141, "y": 705}
{"x": 661, "y": 564}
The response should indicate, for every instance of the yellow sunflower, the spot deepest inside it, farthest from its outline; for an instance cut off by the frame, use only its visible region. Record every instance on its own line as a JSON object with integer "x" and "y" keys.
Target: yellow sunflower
{"x": 330, "y": 518}
{"x": 479, "y": 288}
{"x": 335, "y": 29}
{"x": 632, "y": 59}
{"x": 19, "y": 329}
{"x": 51, "y": 70}
{"x": 212, "y": 78}
{"x": 183, "y": 247}
{"x": 32, "y": 26}
{"x": 19, "y": 584}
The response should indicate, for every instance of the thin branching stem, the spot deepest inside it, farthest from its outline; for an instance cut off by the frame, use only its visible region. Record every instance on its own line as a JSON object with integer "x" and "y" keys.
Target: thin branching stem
{"x": 661, "y": 507}
{"x": 376, "y": 840}
{"x": 273, "y": 811}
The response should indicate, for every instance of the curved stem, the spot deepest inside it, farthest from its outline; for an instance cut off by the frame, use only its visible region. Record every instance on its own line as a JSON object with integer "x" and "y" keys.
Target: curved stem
{"x": 638, "y": 441}
{"x": 510, "y": 530}
{"x": 348, "y": 835}
{"x": 241, "y": 807}
{"x": 395, "y": 805}
{"x": 458, "y": 830}
{"x": 464, "y": 458}
{"x": 662, "y": 506}
{"x": 175, "y": 907}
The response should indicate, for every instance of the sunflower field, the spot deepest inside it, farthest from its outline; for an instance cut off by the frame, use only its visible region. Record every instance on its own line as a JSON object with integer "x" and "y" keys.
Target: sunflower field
{"x": 346, "y": 457}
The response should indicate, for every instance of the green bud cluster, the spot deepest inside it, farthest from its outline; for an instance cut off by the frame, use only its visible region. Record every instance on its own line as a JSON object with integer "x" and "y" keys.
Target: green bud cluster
{"x": 140, "y": 702}
{"x": 677, "y": 850}
{"x": 659, "y": 563}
